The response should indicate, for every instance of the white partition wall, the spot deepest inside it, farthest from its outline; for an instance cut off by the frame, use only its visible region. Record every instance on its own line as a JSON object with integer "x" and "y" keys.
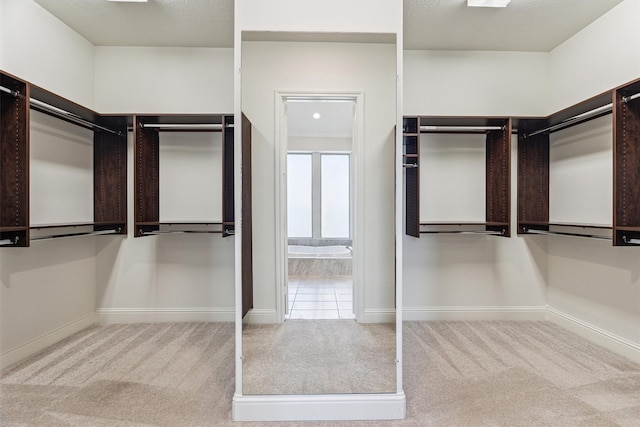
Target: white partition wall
{"x": 326, "y": 47}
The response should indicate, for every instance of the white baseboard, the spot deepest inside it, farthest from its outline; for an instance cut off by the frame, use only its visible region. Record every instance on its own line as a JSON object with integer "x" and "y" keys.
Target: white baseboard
{"x": 462, "y": 313}
{"x": 379, "y": 316}
{"x": 43, "y": 341}
{"x": 157, "y": 315}
{"x": 261, "y": 315}
{"x": 327, "y": 407}
{"x": 595, "y": 334}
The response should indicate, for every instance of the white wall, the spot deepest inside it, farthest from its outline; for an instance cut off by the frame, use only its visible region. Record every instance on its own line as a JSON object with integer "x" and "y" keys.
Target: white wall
{"x": 324, "y": 67}
{"x": 355, "y": 16}
{"x": 600, "y": 57}
{"x": 41, "y": 49}
{"x": 61, "y": 171}
{"x": 466, "y": 276}
{"x": 594, "y": 288}
{"x": 475, "y": 277}
{"x": 300, "y": 143}
{"x": 452, "y": 177}
{"x": 581, "y": 173}
{"x": 178, "y": 276}
{"x": 465, "y": 83}
{"x": 47, "y": 291}
{"x": 163, "y": 80}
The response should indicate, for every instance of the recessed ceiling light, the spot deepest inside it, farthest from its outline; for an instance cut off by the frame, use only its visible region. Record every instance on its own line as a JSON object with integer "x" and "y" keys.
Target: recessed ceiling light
{"x": 316, "y": 116}
{"x": 487, "y": 3}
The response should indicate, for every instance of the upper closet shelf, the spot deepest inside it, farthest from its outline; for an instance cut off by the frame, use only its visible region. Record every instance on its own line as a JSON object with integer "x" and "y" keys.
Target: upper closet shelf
{"x": 497, "y": 131}
{"x": 18, "y": 97}
{"x": 534, "y": 161}
{"x": 146, "y": 130}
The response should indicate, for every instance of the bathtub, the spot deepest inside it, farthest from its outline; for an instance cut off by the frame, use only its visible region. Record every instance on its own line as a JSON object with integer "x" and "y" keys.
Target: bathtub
{"x": 297, "y": 251}
{"x": 307, "y": 262}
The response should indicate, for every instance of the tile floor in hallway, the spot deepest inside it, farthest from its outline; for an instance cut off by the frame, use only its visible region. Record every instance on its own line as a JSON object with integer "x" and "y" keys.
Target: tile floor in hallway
{"x": 321, "y": 298}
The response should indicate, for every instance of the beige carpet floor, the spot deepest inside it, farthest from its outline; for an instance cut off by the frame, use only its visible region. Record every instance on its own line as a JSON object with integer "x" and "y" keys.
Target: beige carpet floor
{"x": 319, "y": 357}
{"x": 455, "y": 374}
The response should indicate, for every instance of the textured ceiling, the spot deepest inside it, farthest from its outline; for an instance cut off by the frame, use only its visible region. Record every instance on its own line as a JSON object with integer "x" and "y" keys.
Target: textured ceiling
{"x": 525, "y": 25}
{"x": 170, "y": 23}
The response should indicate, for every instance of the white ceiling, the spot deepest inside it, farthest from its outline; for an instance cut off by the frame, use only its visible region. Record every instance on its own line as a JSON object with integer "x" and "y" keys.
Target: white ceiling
{"x": 525, "y": 25}
{"x": 336, "y": 119}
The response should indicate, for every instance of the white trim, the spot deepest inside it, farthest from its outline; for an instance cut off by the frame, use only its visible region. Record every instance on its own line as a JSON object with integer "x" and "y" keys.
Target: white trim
{"x": 237, "y": 196}
{"x": 169, "y": 314}
{"x": 357, "y": 230}
{"x": 30, "y": 348}
{"x": 475, "y": 313}
{"x": 329, "y": 407}
{"x": 399, "y": 217}
{"x": 358, "y": 207}
{"x": 379, "y": 315}
{"x": 280, "y": 181}
{"x": 595, "y": 334}
{"x": 261, "y": 315}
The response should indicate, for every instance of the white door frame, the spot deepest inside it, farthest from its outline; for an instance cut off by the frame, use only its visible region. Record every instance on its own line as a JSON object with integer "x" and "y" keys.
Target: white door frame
{"x": 281, "y": 194}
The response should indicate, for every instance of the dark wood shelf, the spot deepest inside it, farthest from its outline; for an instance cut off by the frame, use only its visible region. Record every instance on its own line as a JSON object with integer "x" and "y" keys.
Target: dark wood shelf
{"x": 14, "y": 161}
{"x": 147, "y": 166}
{"x": 497, "y": 178}
{"x": 623, "y": 228}
{"x": 489, "y": 228}
{"x": 109, "y": 165}
{"x": 533, "y": 165}
{"x": 626, "y": 155}
{"x": 575, "y": 230}
{"x": 54, "y": 231}
{"x": 169, "y": 227}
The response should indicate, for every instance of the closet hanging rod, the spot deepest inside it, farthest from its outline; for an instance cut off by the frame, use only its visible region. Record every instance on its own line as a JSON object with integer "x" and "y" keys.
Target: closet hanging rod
{"x": 4, "y": 242}
{"x": 492, "y": 233}
{"x": 631, "y": 241}
{"x": 459, "y": 128}
{"x": 583, "y": 117}
{"x": 155, "y": 232}
{"x": 563, "y": 233}
{"x": 9, "y": 91}
{"x": 90, "y": 233}
{"x": 68, "y": 116}
{"x": 185, "y": 126}
{"x": 626, "y": 99}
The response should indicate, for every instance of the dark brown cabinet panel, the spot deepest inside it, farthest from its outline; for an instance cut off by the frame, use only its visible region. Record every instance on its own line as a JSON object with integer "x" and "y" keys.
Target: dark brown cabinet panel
{"x": 228, "y": 177}
{"x": 533, "y": 182}
{"x": 17, "y": 97}
{"x": 110, "y": 176}
{"x": 247, "y": 219}
{"x": 626, "y": 220}
{"x": 147, "y": 177}
{"x": 533, "y": 167}
{"x": 147, "y": 131}
{"x": 497, "y": 177}
{"x": 14, "y": 166}
{"x": 411, "y": 165}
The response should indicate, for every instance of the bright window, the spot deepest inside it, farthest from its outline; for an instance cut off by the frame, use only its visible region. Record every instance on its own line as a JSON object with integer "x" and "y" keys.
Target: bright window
{"x": 334, "y": 190}
{"x": 299, "y": 192}
{"x": 318, "y": 195}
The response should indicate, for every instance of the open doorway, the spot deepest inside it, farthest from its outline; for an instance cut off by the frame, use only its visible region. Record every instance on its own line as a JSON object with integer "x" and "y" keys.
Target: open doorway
{"x": 320, "y": 208}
